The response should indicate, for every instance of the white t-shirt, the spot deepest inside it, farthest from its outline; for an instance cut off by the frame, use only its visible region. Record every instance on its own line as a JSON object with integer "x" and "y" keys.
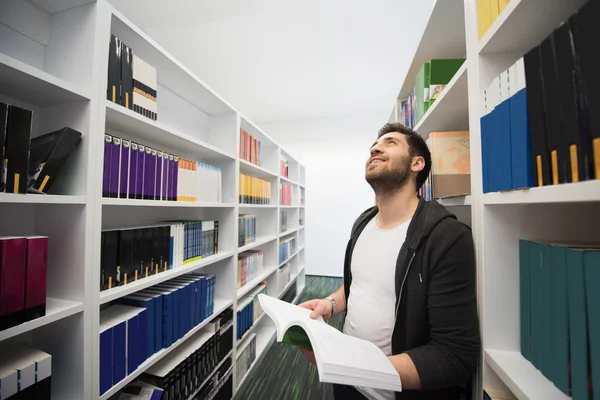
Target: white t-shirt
{"x": 372, "y": 301}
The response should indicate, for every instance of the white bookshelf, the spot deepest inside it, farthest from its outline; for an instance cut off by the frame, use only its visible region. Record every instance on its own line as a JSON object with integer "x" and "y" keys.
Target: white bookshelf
{"x": 54, "y": 61}
{"x": 559, "y": 212}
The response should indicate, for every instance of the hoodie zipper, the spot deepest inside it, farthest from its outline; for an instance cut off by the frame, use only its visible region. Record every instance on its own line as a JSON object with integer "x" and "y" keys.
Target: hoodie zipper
{"x": 402, "y": 286}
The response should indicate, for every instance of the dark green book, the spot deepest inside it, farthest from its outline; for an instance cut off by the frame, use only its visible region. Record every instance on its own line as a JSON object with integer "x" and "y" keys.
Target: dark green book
{"x": 296, "y": 336}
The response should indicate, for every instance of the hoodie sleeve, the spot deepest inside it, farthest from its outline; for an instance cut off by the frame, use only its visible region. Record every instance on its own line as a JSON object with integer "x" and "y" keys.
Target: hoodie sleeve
{"x": 451, "y": 356}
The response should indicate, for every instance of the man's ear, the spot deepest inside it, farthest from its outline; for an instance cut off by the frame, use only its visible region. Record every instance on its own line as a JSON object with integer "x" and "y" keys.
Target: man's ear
{"x": 418, "y": 163}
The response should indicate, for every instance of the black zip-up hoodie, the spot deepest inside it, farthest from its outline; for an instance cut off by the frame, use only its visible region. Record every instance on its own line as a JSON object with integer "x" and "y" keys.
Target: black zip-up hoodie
{"x": 436, "y": 306}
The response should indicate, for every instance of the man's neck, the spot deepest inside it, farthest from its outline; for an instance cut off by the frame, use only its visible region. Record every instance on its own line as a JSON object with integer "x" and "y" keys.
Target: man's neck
{"x": 397, "y": 207}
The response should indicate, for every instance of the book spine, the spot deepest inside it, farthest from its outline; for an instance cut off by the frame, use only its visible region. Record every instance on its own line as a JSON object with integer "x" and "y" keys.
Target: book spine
{"x": 139, "y": 184}
{"x": 133, "y": 165}
{"x": 115, "y": 162}
{"x": 124, "y": 173}
{"x": 13, "y": 253}
{"x": 106, "y": 174}
{"x": 35, "y": 282}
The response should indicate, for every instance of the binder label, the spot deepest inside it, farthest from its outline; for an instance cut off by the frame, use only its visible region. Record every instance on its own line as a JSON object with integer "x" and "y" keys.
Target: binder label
{"x": 554, "y": 157}
{"x": 597, "y": 157}
{"x": 539, "y": 170}
{"x": 574, "y": 165}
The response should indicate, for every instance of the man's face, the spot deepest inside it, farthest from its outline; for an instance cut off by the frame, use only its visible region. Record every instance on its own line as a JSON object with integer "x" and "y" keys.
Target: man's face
{"x": 388, "y": 166}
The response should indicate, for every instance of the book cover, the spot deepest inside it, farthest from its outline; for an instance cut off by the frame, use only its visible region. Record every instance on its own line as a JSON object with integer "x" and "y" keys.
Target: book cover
{"x": 124, "y": 169}
{"x": 165, "y": 177}
{"x": 126, "y": 76}
{"x": 35, "y": 277}
{"x": 115, "y": 165}
{"x": 133, "y": 172}
{"x": 153, "y": 175}
{"x": 106, "y": 174}
{"x": 18, "y": 137}
{"x": 114, "y": 70}
{"x": 139, "y": 184}
{"x": 159, "y": 178}
{"x": 13, "y": 255}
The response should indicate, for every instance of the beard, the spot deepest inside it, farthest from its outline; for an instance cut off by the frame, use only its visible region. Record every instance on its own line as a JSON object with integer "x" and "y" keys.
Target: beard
{"x": 390, "y": 177}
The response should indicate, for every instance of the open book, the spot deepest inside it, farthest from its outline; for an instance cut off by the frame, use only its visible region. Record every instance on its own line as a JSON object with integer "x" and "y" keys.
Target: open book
{"x": 340, "y": 358}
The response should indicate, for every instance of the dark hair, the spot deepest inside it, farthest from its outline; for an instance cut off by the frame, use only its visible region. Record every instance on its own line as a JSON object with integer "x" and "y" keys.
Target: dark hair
{"x": 416, "y": 147}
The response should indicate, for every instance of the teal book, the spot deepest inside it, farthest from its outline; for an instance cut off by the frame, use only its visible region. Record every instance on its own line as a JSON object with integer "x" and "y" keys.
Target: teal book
{"x": 591, "y": 265}
{"x": 560, "y": 320}
{"x": 524, "y": 300}
{"x": 578, "y": 339}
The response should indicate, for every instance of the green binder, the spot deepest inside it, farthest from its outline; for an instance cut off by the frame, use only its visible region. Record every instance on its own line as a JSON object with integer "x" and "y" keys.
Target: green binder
{"x": 441, "y": 72}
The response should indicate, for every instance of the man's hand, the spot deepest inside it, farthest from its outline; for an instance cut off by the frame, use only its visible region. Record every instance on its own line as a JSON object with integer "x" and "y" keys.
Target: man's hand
{"x": 319, "y": 307}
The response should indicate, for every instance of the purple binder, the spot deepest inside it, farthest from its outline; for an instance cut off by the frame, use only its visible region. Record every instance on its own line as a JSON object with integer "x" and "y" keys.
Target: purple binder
{"x": 165, "y": 181}
{"x": 175, "y": 176}
{"x": 106, "y": 171}
{"x": 158, "y": 180}
{"x": 124, "y": 173}
{"x": 147, "y": 176}
{"x": 139, "y": 182}
{"x": 133, "y": 170}
{"x": 115, "y": 157}
{"x": 153, "y": 167}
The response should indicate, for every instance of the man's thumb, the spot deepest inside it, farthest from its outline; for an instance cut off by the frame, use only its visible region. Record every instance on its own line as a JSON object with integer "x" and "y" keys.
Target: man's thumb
{"x": 317, "y": 311}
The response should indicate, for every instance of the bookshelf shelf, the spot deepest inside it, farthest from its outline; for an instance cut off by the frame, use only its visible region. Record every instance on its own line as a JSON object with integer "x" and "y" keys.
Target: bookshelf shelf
{"x": 220, "y": 306}
{"x": 526, "y": 382}
{"x": 455, "y": 201}
{"x": 288, "y": 206}
{"x": 256, "y": 171}
{"x": 288, "y": 259}
{"x": 288, "y": 285}
{"x": 193, "y": 122}
{"x": 522, "y": 25}
{"x": 450, "y": 112}
{"x": 112, "y": 202}
{"x": 438, "y": 40}
{"x": 22, "y": 81}
{"x": 588, "y": 191}
{"x": 563, "y": 213}
{"x": 288, "y": 232}
{"x": 212, "y": 372}
{"x": 259, "y": 242}
{"x": 122, "y": 120}
{"x": 121, "y": 291}
{"x": 287, "y": 180}
{"x": 41, "y": 199}
{"x": 241, "y": 292}
{"x": 257, "y": 206}
{"x": 56, "y": 309}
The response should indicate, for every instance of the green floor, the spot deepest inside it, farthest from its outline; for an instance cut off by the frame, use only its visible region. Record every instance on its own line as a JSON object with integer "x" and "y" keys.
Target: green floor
{"x": 283, "y": 373}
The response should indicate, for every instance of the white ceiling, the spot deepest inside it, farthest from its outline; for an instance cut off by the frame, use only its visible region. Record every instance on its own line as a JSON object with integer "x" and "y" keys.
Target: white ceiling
{"x": 278, "y": 60}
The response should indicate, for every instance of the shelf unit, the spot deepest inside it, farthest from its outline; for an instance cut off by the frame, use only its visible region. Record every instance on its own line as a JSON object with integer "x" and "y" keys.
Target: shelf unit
{"x": 566, "y": 212}
{"x": 39, "y": 41}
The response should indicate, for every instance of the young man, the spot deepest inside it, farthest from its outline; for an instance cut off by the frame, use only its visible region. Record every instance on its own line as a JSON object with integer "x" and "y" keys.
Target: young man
{"x": 409, "y": 278}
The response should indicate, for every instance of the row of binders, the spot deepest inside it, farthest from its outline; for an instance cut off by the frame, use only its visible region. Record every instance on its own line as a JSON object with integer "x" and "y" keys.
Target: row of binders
{"x": 450, "y": 173}
{"x": 487, "y": 12}
{"x": 132, "y": 82}
{"x": 25, "y": 373}
{"x": 560, "y": 323}
{"x": 250, "y": 264}
{"x": 127, "y": 255}
{"x": 23, "y": 273}
{"x": 286, "y": 248}
{"x": 31, "y": 164}
{"x": 181, "y": 373}
{"x": 540, "y": 126}
{"x": 249, "y": 310}
{"x": 136, "y": 171}
{"x": 140, "y": 325}
{"x": 246, "y": 229}
{"x": 246, "y": 356}
{"x": 285, "y": 193}
{"x": 254, "y": 190}
{"x": 430, "y": 82}
{"x": 284, "y": 275}
{"x": 250, "y": 148}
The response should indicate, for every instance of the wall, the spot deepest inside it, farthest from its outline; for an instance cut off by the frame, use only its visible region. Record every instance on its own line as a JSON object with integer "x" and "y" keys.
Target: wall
{"x": 334, "y": 152}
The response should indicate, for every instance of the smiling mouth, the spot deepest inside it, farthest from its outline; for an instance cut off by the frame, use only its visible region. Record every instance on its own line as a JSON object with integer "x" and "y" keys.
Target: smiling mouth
{"x": 376, "y": 162}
